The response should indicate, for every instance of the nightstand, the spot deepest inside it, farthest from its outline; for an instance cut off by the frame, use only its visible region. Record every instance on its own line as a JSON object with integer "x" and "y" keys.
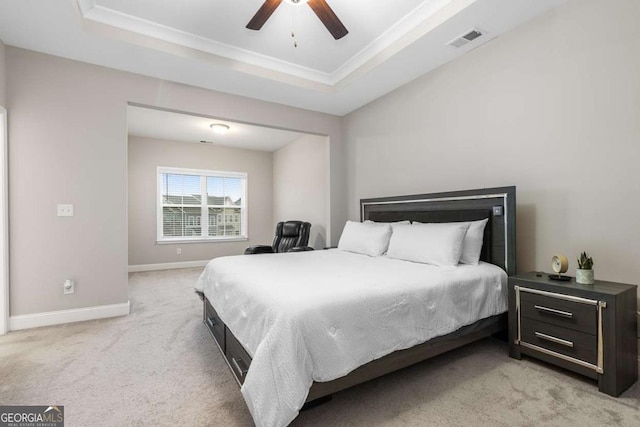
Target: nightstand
{"x": 588, "y": 329}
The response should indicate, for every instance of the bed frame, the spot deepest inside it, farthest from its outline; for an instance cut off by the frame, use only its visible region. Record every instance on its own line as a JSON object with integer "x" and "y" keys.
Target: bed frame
{"x": 499, "y": 248}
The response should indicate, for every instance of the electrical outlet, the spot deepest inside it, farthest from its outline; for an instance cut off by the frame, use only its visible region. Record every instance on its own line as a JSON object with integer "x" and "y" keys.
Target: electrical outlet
{"x": 65, "y": 210}
{"x": 69, "y": 286}
{"x": 179, "y": 251}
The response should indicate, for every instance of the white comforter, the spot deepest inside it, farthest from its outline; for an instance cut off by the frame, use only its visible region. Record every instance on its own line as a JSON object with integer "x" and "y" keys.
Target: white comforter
{"x": 316, "y": 316}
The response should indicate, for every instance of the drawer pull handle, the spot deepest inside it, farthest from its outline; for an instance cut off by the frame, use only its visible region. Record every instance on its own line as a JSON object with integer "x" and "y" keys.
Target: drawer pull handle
{"x": 554, "y": 339}
{"x": 210, "y": 322}
{"x": 554, "y": 311}
{"x": 240, "y": 370}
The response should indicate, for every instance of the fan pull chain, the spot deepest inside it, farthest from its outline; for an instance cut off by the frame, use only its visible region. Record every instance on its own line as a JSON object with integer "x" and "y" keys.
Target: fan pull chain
{"x": 293, "y": 27}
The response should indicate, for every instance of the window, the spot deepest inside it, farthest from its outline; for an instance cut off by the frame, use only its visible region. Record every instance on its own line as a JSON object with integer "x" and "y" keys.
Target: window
{"x": 199, "y": 205}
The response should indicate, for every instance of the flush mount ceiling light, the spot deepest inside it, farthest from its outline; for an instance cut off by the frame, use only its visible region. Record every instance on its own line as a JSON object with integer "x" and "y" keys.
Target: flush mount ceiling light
{"x": 219, "y": 128}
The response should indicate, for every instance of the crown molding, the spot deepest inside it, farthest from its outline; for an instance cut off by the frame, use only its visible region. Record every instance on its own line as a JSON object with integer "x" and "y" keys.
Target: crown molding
{"x": 102, "y": 15}
{"x": 424, "y": 18}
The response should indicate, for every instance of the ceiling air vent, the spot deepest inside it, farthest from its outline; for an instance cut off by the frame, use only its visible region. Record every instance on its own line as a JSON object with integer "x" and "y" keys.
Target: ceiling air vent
{"x": 466, "y": 38}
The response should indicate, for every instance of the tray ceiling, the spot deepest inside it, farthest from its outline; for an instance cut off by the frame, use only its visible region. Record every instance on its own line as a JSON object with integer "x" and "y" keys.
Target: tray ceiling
{"x": 205, "y": 43}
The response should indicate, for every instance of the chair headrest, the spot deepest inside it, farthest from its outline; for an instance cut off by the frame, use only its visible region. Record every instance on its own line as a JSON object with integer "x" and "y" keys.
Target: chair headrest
{"x": 291, "y": 229}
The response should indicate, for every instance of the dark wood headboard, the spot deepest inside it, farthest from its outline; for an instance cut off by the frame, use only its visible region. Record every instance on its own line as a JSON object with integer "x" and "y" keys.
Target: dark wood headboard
{"x": 497, "y": 204}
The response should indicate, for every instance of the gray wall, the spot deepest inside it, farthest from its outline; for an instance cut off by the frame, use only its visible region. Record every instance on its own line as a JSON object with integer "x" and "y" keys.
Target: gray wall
{"x": 551, "y": 107}
{"x": 145, "y": 155}
{"x": 3, "y": 73}
{"x": 68, "y": 144}
{"x": 301, "y": 185}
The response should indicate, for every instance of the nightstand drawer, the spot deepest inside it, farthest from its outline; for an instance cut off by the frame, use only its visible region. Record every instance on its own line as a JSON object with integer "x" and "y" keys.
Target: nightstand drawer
{"x": 215, "y": 325}
{"x": 568, "y": 314}
{"x": 561, "y": 340}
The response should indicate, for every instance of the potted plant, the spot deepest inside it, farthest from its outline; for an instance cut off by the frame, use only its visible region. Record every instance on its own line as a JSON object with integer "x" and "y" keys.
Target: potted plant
{"x": 584, "y": 272}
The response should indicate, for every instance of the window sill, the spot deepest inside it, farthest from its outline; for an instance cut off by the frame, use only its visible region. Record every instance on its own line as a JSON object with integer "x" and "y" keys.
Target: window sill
{"x": 218, "y": 240}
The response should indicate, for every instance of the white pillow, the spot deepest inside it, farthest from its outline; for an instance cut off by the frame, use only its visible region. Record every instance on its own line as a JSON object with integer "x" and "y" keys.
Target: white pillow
{"x": 430, "y": 243}
{"x": 366, "y": 239}
{"x": 472, "y": 244}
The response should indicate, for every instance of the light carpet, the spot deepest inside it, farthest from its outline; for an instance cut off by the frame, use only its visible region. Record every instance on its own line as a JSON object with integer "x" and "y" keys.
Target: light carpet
{"x": 159, "y": 366}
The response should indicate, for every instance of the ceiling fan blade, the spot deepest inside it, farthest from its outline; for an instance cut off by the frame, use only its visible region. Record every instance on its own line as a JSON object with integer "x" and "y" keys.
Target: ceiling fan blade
{"x": 328, "y": 18}
{"x": 261, "y": 16}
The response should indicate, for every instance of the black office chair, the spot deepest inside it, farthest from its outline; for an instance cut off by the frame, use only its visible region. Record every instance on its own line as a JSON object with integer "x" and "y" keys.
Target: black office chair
{"x": 291, "y": 236}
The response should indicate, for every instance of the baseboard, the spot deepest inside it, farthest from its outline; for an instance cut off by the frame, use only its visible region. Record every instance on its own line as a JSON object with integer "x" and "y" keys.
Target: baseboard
{"x": 36, "y": 320}
{"x": 167, "y": 266}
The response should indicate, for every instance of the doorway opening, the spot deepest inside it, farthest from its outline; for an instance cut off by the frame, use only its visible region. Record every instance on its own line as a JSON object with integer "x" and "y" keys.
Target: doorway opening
{"x": 4, "y": 229}
{"x": 182, "y": 207}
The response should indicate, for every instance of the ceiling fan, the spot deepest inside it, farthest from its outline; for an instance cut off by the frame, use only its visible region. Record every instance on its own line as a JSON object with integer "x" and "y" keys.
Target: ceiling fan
{"x": 319, "y": 7}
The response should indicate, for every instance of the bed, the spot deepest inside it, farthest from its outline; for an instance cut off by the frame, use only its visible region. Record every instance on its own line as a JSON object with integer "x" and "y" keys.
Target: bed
{"x": 295, "y": 328}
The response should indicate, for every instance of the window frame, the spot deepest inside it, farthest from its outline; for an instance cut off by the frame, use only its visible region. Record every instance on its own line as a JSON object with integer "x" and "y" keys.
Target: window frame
{"x": 204, "y": 206}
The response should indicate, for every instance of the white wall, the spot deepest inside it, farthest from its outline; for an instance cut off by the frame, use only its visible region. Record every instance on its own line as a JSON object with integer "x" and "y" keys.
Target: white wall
{"x": 68, "y": 144}
{"x": 146, "y": 154}
{"x": 552, "y": 107}
{"x": 301, "y": 185}
{"x": 3, "y": 73}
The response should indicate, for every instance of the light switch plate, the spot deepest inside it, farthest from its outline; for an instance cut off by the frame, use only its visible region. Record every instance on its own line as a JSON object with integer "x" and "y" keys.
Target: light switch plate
{"x": 69, "y": 286}
{"x": 65, "y": 210}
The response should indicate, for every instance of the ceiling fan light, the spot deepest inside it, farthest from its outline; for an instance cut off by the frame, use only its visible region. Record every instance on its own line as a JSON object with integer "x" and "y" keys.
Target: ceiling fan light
{"x": 219, "y": 128}
{"x": 297, "y": 2}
